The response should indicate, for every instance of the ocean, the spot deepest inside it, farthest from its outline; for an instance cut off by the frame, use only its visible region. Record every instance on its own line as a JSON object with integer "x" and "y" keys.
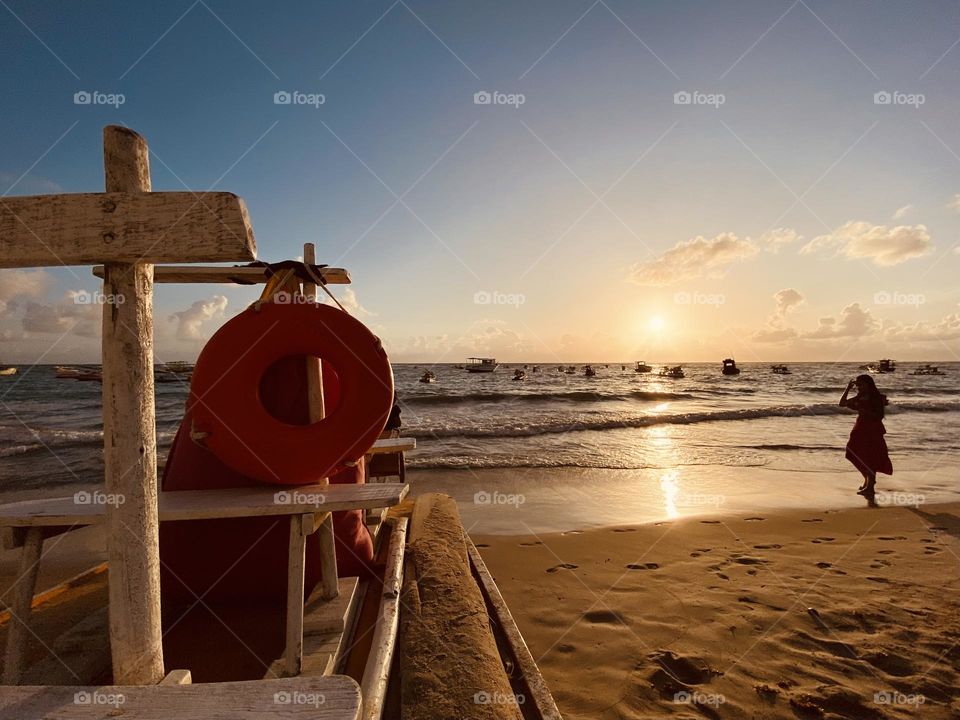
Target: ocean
{"x": 51, "y": 429}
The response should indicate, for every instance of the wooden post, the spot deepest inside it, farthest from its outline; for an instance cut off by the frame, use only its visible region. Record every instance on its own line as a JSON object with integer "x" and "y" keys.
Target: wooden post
{"x": 130, "y": 441}
{"x": 17, "y": 630}
{"x": 314, "y": 370}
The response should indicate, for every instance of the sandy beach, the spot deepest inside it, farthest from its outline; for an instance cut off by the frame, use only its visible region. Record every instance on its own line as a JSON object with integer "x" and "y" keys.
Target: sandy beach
{"x": 849, "y": 613}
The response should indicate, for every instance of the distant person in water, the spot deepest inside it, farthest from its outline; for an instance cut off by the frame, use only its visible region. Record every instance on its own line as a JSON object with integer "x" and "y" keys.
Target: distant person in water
{"x": 867, "y": 449}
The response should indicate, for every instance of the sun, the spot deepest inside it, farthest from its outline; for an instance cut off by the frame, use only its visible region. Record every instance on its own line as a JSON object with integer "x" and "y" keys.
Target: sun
{"x": 656, "y": 323}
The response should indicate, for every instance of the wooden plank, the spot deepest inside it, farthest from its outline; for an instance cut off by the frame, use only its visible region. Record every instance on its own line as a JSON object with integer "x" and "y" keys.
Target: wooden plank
{"x": 393, "y": 445}
{"x": 535, "y": 689}
{"x": 315, "y": 403}
{"x": 214, "y": 504}
{"x": 239, "y": 275}
{"x": 19, "y": 632}
{"x": 327, "y": 628}
{"x": 177, "y": 677}
{"x": 327, "y": 698}
{"x": 129, "y": 416}
{"x": 328, "y": 558}
{"x": 124, "y": 226}
{"x": 296, "y": 560}
{"x": 376, "y": 674}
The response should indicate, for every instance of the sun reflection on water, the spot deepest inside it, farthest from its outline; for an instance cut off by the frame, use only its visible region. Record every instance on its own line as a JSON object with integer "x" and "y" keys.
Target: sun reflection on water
{"x": 670, "y": 488}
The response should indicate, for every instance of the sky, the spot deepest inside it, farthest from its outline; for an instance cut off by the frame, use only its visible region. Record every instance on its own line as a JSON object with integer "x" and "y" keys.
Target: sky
{"x": 551, "y": 181}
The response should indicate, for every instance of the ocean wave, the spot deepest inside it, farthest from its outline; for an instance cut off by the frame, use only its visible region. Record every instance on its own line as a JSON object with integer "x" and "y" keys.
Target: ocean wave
{"x": 687, "y": 418}
{"x": 569, "y": 396}
{"x": 16, "y": 450}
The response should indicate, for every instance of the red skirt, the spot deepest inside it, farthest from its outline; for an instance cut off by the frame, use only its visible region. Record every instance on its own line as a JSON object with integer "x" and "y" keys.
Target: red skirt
{"x": 867, "y": 449}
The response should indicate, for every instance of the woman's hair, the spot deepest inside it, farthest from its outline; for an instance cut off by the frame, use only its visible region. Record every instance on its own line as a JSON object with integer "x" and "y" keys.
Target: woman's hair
{"x": 876, "y": 400}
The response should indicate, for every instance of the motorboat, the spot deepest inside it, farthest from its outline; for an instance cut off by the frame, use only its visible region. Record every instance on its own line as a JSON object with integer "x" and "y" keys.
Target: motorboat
{"x": 780, "y": 370}
{"x": 519, "y": 375}
{"x": 730, "y": 367}
{"x": 536, "y": 368}
{"x": 428, "y": 377}
{"x": 481, "y": 365}
{"x": 884, "y": 366}
{"x": 671, "y": 372}
{"x": 928, "y": 370}
{"x": 6, "y": 372}
{"x": 641, "y": 367}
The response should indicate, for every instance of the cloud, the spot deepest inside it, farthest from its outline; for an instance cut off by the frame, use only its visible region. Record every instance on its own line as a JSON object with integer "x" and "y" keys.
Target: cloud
{"x": 854, "y": 321}
{"x": 22, "y": 284}
{"x": 947, "y": 329}
{"x": 70, "y": 315}
{"x": 786, "y": 300}
{"x": 28, "y": 185}
{"x": 884, "y": 245}
{"x": 693, "y": 258}
{"x": 350, "y": 302}
{"x": 774, "y": 335}
{"x": 190, "y": 321}
{"x": 773, "y": 240}
{"x": 902, "y": 212}
{"x": 954, "y": 203}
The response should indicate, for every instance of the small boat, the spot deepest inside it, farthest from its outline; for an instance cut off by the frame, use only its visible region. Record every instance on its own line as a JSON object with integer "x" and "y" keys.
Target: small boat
{"x": 481, "y": 365}
{"x": 884, "y": 366}
{"x": 641, "y": 367}
{"x": 730, "y": 367}
{"x": 177, "y": 367}
{"x": 428, "y": 377}
{"x": 780, "y": 370}
{"x": 589, "y": 372}
{"x": 536, "y": 368}
{"x": 7, "y": 372}
{"x": 519, "y": 375}
{"x": 922, "y": 370}
{"x": 571, "y": 370}
{"x": 671, "y": 372}
{"x": 84, "y": 372}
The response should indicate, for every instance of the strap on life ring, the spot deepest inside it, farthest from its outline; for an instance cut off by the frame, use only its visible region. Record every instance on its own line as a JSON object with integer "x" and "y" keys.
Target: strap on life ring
{"x": 229, "y": 417}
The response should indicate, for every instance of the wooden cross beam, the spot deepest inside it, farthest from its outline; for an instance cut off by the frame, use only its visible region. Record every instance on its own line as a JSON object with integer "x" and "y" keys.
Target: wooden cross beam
{"x": 128, "y": 229}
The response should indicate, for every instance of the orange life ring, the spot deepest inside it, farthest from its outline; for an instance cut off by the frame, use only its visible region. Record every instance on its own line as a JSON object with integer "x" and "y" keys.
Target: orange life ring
{"x": 230, "y": 419}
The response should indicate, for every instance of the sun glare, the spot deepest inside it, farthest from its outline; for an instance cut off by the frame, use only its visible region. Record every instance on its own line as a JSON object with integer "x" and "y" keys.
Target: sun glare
{"x": 656, "y": 323}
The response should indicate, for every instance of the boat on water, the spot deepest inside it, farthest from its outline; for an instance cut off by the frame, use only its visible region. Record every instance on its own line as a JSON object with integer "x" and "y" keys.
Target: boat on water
{"x": 884, "y": 366}
{"x": 588, "y": 371}
{"x": 641, "y": 367}
{"x": 536, "y": 368}
{"x": 780, "y": 370}
{"x": 481, "y": 365}
{"x": 84, "y": 373}
{"x": 730, "y": 367}
{"x": 428, "y": 377}
{"x": 671, "y": 372}
{"x": 519, "y": 375}
{"x": 178, "y": 367}
{"x": 928, "y": 370}
{"x": 8, "y": 371}
{"x": 571, "y": 370}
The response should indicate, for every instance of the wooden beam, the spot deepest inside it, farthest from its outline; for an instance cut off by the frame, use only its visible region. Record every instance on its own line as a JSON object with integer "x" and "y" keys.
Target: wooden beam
{"x": 218, "y": 274}
{"x": 328, "y": 558}
{"x": 129, "y": 434}
{"x": 124, "y": 226}
{"x": 296, "y": 559}
{"x": 315, "y": 406}
{"x": 18, "y": 633}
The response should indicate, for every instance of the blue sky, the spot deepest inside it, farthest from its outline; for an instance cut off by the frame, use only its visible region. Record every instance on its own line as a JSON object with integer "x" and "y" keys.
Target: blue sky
{"x": 575, "y": 214}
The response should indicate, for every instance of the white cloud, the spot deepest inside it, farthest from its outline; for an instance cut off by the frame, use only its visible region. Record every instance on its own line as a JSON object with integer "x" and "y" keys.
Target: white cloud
{"x": 854, "y": 321}
{"x": 954, "y": 203}
{"x": 786, "y": 300}
{"x": 66, "y": 316}
{"x": 946, "y": 329}
{"x": 902, "y": 212}
{"x": 190, "y": 321}
{"x": 775, "y": 239}
{"x": 884, "y": 245}
{"x": 28, "y": 185}
{"x": 22, "y": 284}
{"x": 693, "y": 258}
{"x": 349, "y": 301}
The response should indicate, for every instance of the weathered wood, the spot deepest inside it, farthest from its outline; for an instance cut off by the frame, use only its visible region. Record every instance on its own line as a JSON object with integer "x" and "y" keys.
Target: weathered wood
{"x": 533, "y": 687}
{"x": 300, "y": 525}
{"x": 219, "y": 274}
{"x": 213, "y": 504}
{"x": 124, "y": 226}
{"x": 18, "y": 633}
{"x": 328, "y": 698}
{"x": 393, "y": 445}
{"x": 327, "y": 628}
{"x": 177, "y": 677}
{"x": 376, "y": 674}
{"x": 328, "y": 558}
{"x": 129, "y": 420}
{"x": 315, "y": 404}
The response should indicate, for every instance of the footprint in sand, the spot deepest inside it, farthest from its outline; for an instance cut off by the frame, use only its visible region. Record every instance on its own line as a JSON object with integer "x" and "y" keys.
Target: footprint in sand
{"x": 754, "y": 519}
{"x": 643, "y": 566}
{"x": 748, "y": 560}
{"x": 891, "y": 537}
{"x": 874, "y": 578}
{"x": 885, "y": 552}
{"x": 813, "y": 520}
{"x": 481, "y": 545}
{"x": 562, "y": 566}
{"x": 620, "y": 530}
{"x": 931, "y": 550}
{"x": 819, "y": 540}
{"x": 531, "y": 544}
{"x": 604, "y": 617}
{"x": 722, "y": 576}
{"x": 772, "y": 546}
{"x": 824, "y": 565}
{"x": 710, "y": 522}
{"x": 572, "y": 532}
{"x": 695, "y": 554}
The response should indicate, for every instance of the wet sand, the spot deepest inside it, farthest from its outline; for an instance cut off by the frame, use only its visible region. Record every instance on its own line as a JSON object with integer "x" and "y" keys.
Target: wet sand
{"x": 640, "y": 621}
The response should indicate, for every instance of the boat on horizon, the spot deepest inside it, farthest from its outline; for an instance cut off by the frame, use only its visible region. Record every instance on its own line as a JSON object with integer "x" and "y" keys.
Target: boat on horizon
{"x": 928, "y": 370}
{"x": 884, "y": 366}
{"x": 8, "y": 371}
{"x": 671, "y": 372}
{"x": 588, "y": 371}
{"x": 428, "y": 377}
{"x": 519, "y": 375}
{"x": 780, "y": 370}
{"x": 641, "y": 367}
{"x": 730, "y": 367}
{"x": 481, "y": 364}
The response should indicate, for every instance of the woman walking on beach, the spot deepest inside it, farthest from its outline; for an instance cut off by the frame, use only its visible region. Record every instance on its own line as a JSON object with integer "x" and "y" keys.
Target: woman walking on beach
{"x": 867, "y": 449}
